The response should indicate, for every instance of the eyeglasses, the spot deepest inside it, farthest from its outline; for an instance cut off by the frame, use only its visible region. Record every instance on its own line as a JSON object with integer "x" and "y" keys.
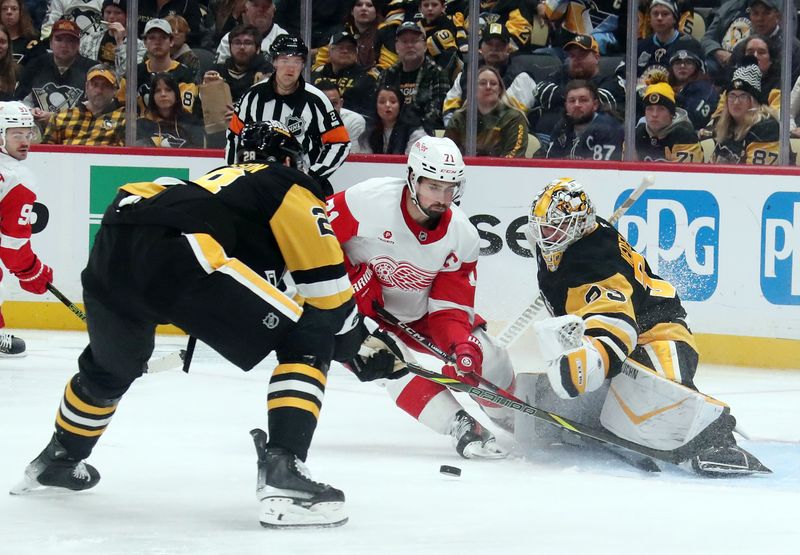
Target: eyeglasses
{"x": 686, "y": 62}
{"x": 289, "y": 62}
{"x": 735, "y": 98}
{"x": 243, "y": 43}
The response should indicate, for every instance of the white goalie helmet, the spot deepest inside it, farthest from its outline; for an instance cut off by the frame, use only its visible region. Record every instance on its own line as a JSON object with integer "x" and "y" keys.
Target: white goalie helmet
{"x": 560, "y": 214}
{"x": 435, "y": 158}
{"x": 15, "y": 114}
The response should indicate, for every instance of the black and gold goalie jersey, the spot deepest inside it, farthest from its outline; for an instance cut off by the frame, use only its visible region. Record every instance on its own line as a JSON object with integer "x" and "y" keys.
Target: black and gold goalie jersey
{"x": 269, "y": 217}
{"x": 610, "y": 285}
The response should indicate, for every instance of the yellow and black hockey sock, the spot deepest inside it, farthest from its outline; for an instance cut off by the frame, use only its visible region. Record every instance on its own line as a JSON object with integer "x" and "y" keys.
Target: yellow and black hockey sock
{"x": 82, "y": 419}
{"x": 295, "y": 398}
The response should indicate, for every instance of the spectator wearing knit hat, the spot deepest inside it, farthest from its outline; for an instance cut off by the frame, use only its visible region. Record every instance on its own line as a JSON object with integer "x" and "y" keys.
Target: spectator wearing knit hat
{"x": 108, "y": 44}
{"x": 665, "y": 134}
{"x": 694, "y": 91}
{"x": 747, "y": 131}
{"x": 655, "y": 51}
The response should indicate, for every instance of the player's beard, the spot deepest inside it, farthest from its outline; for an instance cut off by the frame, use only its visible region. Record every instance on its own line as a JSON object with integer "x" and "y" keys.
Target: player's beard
{"x": 580, "y": 120}
{"x": 433, "y": 215}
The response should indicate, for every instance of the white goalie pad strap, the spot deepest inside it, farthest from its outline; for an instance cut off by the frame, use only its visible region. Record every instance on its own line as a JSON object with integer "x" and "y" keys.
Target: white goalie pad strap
{"x": 655, "y": 412}
{"x": 558, "y": 335}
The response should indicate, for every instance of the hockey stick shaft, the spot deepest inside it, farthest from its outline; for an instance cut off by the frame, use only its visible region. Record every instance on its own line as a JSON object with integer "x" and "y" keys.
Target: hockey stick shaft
{"x": 167, "y": 362}
{"x": 518, "y": 325}
{"x": 68, "y": 303}
{"x": 425, "y": 341}
{"x": 598, "y": 434}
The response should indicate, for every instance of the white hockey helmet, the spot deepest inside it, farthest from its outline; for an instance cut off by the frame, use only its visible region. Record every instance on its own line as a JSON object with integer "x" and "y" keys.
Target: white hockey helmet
{"x": 435, "y": 158}
{"x": 560, "y": 214}
{"x": 14, "y": 114}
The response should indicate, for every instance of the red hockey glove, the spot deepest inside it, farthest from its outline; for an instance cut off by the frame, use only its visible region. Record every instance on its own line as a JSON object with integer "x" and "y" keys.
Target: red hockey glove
{"x": 36, "y": 278}
{"x": 469, "y": 358}
{"x": 367, "y": 289}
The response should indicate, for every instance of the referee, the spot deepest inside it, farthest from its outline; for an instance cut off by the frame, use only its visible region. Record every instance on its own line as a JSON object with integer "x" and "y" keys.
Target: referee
{"x": 303, "y": 108}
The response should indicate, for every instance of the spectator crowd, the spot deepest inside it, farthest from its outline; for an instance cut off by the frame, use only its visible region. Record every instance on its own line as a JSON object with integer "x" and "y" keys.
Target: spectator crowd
{"x": 551, "y": 75}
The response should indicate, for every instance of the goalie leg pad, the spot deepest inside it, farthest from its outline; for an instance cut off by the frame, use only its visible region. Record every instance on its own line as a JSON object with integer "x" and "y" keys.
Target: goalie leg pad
{"x": 647, "y": 409}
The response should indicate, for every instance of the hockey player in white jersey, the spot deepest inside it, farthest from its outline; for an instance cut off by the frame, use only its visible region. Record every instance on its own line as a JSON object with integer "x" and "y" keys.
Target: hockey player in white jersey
{"x": 411, "y": 250}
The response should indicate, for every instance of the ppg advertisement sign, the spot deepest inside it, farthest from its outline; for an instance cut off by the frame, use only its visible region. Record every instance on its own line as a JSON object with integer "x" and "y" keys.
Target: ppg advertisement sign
{"x": 780, "y": 236}
{"x": 678, "y": 234}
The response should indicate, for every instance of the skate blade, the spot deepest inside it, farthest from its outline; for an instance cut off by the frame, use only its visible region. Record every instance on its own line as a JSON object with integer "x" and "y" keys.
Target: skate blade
{"x": 489, "y": 451}
{"x": 284, "y": 513}
{"x": 27, "y": 486}
{"x": 18, "y": 355}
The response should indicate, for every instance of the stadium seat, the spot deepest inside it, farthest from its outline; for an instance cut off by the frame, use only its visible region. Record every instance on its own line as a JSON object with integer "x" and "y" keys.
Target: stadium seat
{"x": 533, "y": 146}
{"x": 708, "y": 149}
{"x": 795, "y": 145}
{"x": 539, "y": 66}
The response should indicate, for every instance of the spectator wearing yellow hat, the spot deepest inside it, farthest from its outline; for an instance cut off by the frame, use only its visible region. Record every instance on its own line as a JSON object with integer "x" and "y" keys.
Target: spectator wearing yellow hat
{"x": 100, "y": 120}
{"x": 665, "y": 134}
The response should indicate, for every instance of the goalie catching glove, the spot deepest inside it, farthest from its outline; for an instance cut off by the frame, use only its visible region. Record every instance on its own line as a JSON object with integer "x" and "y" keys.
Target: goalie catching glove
{"x": 575, "y": 364}
{"x": 379, "y": 358}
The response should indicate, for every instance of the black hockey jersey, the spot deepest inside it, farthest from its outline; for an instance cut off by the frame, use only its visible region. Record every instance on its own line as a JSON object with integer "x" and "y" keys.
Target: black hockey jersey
{"x": 269, "y": 217}
{"x": 675, "y": 143}
{"x": 611, "y": 286}
{"x": 699, "y": 98}
{"x": 760, "y": 146}
{"x": 601, "y": 140}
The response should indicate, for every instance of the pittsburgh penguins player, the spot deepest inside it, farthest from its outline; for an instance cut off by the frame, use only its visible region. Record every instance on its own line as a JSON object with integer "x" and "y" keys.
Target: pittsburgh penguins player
{"x": 615, "y": 319}
{"x": 206, "y": 255}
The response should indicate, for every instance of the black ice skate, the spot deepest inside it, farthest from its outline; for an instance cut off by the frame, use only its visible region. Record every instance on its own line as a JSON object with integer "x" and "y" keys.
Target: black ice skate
{"x": 54, "y": 468}
{"x": 289, "y": 497}
{"x": 726, "y": 461}
{"x": 473, "y": 440}
{"x": 11, "y": 346}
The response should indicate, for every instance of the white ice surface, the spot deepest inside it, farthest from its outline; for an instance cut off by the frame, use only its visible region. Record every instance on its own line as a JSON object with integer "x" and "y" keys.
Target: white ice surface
{"x": 178, "y": 474}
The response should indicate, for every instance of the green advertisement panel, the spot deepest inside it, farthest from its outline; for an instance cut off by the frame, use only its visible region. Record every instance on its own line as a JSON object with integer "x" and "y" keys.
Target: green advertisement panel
{"x": 105, "y": 180}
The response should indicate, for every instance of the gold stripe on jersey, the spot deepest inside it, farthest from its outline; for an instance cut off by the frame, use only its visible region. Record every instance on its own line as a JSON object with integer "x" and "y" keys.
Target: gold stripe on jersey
{"x": 307, "y": 242}
{"x": 80, "y": 417}
{"x": 685, "y": 153}
{"x": 212, "y": 258}
{"x": 668, "y": 331}
{"x": 144, "y": 189}
{"x": 665, "y": 361}
{"x": 581, "y": 302}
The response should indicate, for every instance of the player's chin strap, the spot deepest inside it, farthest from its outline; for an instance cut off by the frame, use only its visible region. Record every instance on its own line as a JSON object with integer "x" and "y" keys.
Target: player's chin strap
{"x": 168, "y": 362}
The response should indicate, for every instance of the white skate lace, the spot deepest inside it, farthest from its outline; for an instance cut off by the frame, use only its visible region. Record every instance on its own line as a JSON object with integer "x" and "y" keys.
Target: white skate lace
{"x": 463, "y": 424}
{"x": 80, "y": 472}
{"x": 5, "y": 341}
{"x": 303, "y": 470}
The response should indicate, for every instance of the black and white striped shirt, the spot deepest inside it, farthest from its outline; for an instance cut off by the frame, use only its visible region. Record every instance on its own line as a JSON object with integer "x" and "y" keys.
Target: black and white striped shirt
{"x": 307, "y": 113}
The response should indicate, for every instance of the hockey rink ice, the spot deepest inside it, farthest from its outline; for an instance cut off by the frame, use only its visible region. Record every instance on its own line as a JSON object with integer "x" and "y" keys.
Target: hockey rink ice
{"x": 178, "y": 474}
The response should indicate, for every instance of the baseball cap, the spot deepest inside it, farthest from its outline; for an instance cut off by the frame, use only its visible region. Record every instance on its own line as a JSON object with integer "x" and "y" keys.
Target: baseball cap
{"x": 772, "y": 4}
{"x": 409, "y": 26}
{"x": 104, "y": 71}
{"x": 160, "y": 24}
{"x": 66, "y": 27}
{"x": 336, "y": 38}
{"x": 496, "y": 31}
{"x": 586, "y": 42}
{"x": 121, "y": 4}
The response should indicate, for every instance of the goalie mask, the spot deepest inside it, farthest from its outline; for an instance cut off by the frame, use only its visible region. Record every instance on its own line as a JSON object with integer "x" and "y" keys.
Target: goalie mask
{"x": 560, "y": 215}
{"x": 435, "y": 158}
{"x": 269, "y": 141}
{"x": 16, "y": 115}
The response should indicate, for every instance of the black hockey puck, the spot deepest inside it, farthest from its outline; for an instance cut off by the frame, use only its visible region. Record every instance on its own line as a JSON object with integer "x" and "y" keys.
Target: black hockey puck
{"x": 450, "y": 470}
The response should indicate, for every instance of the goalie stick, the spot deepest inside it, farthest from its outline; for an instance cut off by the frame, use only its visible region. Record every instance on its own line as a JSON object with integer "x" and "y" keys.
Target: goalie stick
{"x": 522, "y": 322}
{"x": 168, "y": 362}
{"x": 643, "y": 463}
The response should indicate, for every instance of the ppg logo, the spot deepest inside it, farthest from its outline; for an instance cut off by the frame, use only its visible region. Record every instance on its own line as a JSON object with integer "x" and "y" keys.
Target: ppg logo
{"x": 678, "y": 234}
{"x": 780, "y": 236}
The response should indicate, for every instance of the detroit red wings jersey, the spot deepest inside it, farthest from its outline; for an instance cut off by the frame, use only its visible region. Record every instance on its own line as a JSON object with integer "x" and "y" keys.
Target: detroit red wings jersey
{"x": 422, "y": 271}
{"x": 17, "y": 195}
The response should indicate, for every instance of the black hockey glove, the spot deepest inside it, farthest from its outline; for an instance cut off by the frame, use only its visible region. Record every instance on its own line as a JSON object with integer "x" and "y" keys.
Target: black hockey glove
{"x": 379, "y": 358}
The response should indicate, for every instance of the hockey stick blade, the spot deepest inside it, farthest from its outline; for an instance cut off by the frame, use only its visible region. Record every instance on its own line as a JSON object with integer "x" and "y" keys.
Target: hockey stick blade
{"x": 168, "y": 362}
{"x": 522, "y": 321}
{"x": 599, "y": 434}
